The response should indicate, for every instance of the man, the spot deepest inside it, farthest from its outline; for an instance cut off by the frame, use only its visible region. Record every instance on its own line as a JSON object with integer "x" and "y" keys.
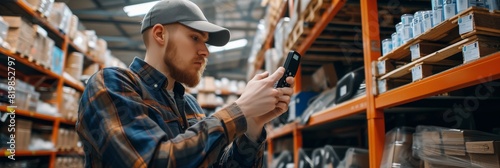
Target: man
{"x": 141, "y": 117}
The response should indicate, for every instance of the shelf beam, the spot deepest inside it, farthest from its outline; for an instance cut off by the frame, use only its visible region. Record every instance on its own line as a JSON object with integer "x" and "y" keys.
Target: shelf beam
{"x": 452, "y": 79}
{"x": 352, "y": 107}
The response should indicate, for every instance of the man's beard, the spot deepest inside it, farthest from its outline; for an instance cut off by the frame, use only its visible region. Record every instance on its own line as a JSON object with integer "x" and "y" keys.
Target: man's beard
{"x": 182, "y": 76}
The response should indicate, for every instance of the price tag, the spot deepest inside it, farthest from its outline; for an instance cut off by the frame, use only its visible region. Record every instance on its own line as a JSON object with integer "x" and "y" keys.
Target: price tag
{"x": 382, "y": 86}
{"x": 415, "y": 51}
{"x": 343, "y": 90}
{"x": 471, "y": 52}
{"x": 381, "y": 67}
{"x": 416, "y": 72}
{"x": 465, "y": 24}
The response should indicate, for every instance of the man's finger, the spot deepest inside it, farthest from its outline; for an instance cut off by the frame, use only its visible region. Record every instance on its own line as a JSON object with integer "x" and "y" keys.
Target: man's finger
{"x": 277, "y": 74}
{"x": 261, "y": 75}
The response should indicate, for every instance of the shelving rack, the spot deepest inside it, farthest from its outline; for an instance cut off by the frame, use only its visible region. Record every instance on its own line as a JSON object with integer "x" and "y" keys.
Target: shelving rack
{"x": 373, "y": 106}
{"x": 30, "y": 72}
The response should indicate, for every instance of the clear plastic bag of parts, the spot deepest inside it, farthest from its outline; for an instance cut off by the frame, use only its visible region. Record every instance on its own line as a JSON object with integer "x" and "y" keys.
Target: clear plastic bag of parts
{"x": 398, "y": 149}
{"x": 445, "y": 147}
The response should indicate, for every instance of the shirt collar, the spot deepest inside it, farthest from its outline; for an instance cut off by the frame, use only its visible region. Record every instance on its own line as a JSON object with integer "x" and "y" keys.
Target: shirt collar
{"x": 152, "y": 76}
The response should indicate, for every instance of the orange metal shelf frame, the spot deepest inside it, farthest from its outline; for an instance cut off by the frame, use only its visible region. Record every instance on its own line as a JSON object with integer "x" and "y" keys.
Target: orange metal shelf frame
{"x": 19, "y": 59}
{"x": 30, "y": 114}
{"x": 355, "y": 106}
{"x": 28, "y": 152}
{"x": 282, "y": 131}
{"x": 45, "y": 23}
{"x": 453, "y": 79}
{"x": 77, "y": 86}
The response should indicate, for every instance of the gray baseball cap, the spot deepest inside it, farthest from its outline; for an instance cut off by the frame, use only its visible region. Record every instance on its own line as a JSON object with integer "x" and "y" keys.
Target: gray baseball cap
{"x": 187, "y": 13}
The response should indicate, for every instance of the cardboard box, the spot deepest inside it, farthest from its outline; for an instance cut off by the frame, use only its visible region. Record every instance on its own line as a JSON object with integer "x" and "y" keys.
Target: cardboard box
{"x": 42, "y": 6}
{"x": 431, "y": 143}
{"x": 384, "y": 66}
{"x": 90, "y": 70}
{"x": 4, "y": 28}
{"x": 325, "y": 77}
{"x": 483, "y": 22}
{"x": 481, "y": 47}
{"x": 73, "y": 27}
{"x": 385, "y": 85}
{"x": 484, "y": 153}
{"x": 357, "y": 158}
{"x": 60, "y": 16}
{"x": 422, "y": 49}
{"x": 91, "y": 39}
{"x": 57, "y": 60}
{"x": 74, "y": 65}
{"x": 23, "y": 134}
{"x": 81, "y": 41}
{"x": 20, "y": 35}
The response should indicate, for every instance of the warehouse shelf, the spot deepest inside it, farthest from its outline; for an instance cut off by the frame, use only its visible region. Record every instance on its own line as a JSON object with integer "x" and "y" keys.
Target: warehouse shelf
{"x": 30, "y": 114}
{"x": 453, "y": 79}
{"x": 349, "y": 108}
{"x": 282, "y": 131}
{"x": 87, "y": 58}
{"x": 28, "y": 152}
{"x": 28, "y": 68}
{"x": 67, "y": 121}
{"x": 20, "y": 7}
{"x": 70, "y": 82}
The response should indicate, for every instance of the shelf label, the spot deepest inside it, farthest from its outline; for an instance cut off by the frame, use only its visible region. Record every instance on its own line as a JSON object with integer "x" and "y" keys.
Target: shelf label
{"x": 381, "y": 67}
{"x": 416, "y": 72}
{"x": 415, "y": 51}
{"x": 471, "y": 52}
{"x": 382, "y": 86}
{"x": 343, "y": 90}
{"x": 465, "y": 24}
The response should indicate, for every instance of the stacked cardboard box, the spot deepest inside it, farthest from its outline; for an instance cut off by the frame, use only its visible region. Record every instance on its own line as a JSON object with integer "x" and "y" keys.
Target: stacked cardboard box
{"x": 99, "y": 51}
{"x": 42, "y": 6}
{"x": 73, "y": 27}
{"x": 60, "y": 16}
{"x": 69, "y": 105}
{"x": 74, "y": 65}
{"x": 42, "y": 47}
{"x": 69, "y": 161}
{"x": 67, "y": 139}
{"x": 23, "y": 134}
{"x": 20, "y": 35}
{"x": 4, "y": 28}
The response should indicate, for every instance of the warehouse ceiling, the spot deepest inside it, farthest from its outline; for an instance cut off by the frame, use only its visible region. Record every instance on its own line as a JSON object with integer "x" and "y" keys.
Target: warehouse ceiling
{"x": 124, "y": 39}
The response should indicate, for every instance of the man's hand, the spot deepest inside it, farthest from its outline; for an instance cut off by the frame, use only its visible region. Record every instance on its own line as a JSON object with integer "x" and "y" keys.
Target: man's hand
{"x": 263, "y": 114}
{"x": 260, "y": 96}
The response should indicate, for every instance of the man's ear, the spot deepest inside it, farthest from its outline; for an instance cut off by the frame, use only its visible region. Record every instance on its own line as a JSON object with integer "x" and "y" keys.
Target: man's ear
{"x": 160, "y": 34}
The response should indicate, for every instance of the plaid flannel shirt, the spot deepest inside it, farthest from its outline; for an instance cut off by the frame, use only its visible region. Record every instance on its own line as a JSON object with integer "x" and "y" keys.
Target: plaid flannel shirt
{"x": 126, "y": 118}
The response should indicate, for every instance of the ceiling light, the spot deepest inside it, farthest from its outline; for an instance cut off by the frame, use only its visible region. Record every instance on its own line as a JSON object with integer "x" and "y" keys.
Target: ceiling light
{"x": 139, "y": 9}
{"x": 229, "y": 46}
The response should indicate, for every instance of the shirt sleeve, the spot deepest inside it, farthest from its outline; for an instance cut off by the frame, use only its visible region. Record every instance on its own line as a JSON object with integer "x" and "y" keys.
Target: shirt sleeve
{"x": 116, "y": 130}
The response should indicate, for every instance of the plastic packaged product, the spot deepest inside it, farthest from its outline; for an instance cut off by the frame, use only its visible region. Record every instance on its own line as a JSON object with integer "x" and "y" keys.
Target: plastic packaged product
{"x": 304, "y": 159}
{"x": 282, "y": 160}
{"x": 386, "y": 46}
{"x": 321, "y": 102}
{"x": 406, "y": 19}
{"x": 334, "y": 154}
{"x": 399, "y": 30}
{"x": 426, "y": 21}
{"x": 395, "y": 40}
{"x": 462, "y": 5}
{"x": 407, "y": 33}
{"x": 493, "y": 4}
{"x": 416, "y": 26}
{"x": 355, "y": 157}
{"x": 446, "y": 147}
{"x": 449, "y": 8}
{"x": 398, "y": 149}
{"x": 437, "y": 17}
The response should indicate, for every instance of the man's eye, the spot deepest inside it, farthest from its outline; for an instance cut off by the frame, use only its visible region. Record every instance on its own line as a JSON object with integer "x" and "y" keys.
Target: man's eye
{"x": 195, "y": 38}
